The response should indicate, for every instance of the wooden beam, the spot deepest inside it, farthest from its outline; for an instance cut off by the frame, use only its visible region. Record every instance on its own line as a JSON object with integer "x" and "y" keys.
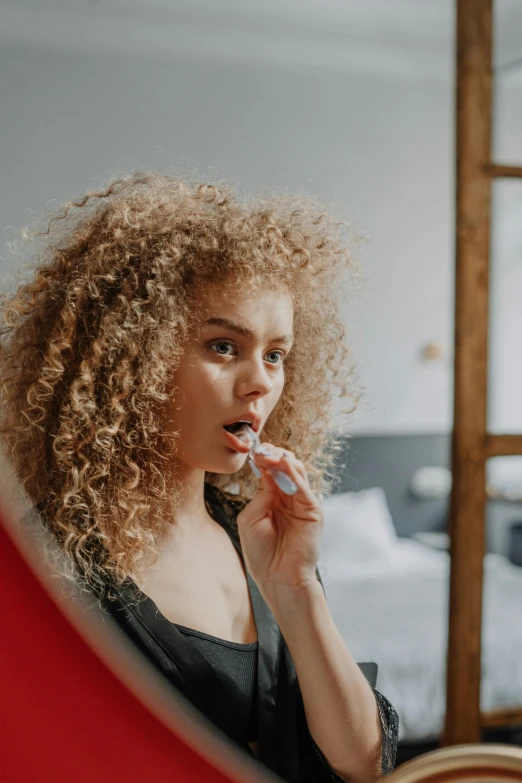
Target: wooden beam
{"x": 467, "y": 513}
{"x": 494, "y": 170}
{"x": 503, "y": 446}
{"x": 506, "y": 717}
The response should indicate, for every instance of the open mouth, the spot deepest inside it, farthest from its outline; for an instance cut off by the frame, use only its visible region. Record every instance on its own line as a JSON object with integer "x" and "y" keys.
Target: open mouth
{"x": 234, "y": 428}
{"x": 239, "y": 436}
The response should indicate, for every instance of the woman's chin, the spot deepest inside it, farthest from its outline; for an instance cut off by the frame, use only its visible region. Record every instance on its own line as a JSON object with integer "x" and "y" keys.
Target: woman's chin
{"x": 232, "y": 462}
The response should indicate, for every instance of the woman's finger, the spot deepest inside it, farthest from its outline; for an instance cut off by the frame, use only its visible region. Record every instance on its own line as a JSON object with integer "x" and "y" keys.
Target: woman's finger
{"x": 298, "y": 464}
{"x": 276, "y": 456}
{"x": 290, "y": 467}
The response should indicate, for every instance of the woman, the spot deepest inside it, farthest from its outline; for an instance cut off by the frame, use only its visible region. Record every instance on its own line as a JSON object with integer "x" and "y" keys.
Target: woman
{"x": 159, "y": 314}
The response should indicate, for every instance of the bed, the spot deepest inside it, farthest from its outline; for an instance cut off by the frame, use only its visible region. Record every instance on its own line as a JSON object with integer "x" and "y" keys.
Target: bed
{"x": 388, "y": 596}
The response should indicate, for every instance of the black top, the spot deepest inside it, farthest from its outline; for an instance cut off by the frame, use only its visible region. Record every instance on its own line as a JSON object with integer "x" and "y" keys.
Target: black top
{"x": 236, "y": 665}
{"x": 247, "y": 691}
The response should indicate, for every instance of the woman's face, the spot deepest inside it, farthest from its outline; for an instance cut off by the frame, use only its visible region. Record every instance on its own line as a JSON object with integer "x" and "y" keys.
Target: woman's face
{"x": 232, "y": 366}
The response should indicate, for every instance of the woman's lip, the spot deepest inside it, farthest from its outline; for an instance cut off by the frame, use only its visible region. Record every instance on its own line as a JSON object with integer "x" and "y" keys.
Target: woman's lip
{"x": 237, "y": 444}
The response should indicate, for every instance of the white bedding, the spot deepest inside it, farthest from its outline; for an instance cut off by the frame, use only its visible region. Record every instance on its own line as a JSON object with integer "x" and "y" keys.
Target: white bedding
{"x": 393, "y": 609}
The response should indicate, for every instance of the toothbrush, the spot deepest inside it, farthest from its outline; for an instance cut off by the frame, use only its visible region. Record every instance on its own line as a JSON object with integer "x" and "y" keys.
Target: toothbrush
{"x": 283, "y": 481}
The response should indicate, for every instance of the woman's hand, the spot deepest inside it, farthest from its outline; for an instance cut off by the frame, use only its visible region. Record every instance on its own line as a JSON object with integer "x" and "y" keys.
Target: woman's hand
{"x": 281, "y": 534}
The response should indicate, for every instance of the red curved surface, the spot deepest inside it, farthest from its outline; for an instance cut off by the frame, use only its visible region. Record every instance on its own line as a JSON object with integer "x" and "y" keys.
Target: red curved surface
{"x": 64, "y": 716}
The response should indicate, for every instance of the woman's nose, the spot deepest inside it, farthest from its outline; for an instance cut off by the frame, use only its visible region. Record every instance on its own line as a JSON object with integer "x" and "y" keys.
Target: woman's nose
{"x": 256, "y": 378}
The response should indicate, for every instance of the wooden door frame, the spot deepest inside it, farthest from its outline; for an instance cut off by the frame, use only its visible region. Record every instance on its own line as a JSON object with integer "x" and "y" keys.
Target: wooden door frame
{"x": 472, "y": 445}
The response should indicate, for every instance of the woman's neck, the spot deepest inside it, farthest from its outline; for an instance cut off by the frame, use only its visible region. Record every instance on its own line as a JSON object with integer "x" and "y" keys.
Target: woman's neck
{"x": 190, "y": 513}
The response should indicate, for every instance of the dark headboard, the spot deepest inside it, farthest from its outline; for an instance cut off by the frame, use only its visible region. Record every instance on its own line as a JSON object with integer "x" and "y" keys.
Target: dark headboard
{"x": 389, "y": 462}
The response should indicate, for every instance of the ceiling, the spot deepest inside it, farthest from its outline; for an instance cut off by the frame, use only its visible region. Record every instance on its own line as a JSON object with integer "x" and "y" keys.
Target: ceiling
{"x": 407, "y": 38}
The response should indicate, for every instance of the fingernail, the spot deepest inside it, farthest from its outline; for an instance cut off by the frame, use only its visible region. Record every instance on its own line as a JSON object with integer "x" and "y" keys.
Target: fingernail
{"x": 255, "y": 469}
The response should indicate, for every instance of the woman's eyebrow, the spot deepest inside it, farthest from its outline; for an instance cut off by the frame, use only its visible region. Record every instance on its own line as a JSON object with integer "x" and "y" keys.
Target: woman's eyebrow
{"x": 244, "y": 330}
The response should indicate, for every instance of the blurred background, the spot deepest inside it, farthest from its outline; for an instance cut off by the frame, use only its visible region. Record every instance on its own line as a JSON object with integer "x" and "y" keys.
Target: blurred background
{"x": 348, "y": 99}
{"x": 351, "y": 100}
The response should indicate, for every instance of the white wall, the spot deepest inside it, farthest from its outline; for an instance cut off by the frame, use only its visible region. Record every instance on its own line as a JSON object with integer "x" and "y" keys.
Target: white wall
{"x": 381, "y": 145}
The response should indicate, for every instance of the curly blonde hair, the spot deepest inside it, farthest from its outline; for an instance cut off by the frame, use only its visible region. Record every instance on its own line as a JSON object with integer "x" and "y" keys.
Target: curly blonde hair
{"x": 89, "y": 345}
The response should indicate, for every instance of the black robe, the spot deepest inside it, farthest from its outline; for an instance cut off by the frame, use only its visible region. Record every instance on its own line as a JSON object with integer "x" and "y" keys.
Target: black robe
{"x": 285, "y": 744}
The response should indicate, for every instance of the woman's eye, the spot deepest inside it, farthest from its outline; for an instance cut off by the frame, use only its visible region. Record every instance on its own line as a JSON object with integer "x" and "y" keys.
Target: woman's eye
{"x": 216, "y": 345}
{"x": 277, "y": 353}
{"x": 216, "y": 348}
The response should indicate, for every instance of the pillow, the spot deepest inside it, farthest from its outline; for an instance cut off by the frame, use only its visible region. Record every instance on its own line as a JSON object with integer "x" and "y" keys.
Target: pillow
{"x": 357, "y": 526}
